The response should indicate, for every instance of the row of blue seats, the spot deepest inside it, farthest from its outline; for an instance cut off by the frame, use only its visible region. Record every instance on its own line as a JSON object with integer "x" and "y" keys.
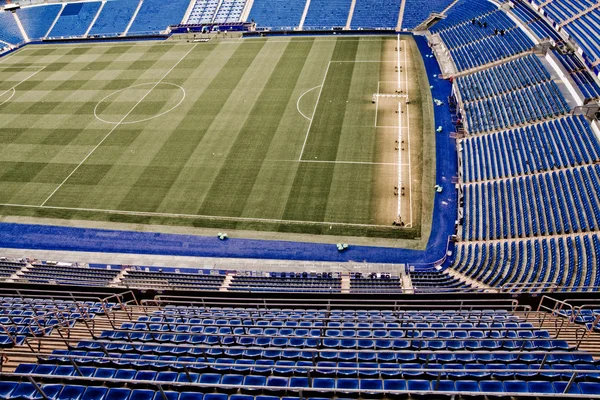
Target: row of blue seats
{"x": 519, "y": 263}
{"x": 513, "y": 75}
{"x": 585, "y": 31}
{"x": 326, "y": 14}
{"x": 379, "y": 13}
{"x": 561, "y": 10}
{"x": 416, "y": 11}
{"x": 9, "y": 30}
{"x": 559, "y": 143}
{"x": 553, "y": 203}
{"x": 580, "y": 74}
{"x": 75, "y": 19}
{"x": 294, "y": 315}
{"x": 491, "y": 49}
{"x": 260, "y": 362}
{"x": 463, "y": 10}
{"x": 277, "y": 14}
{"x": 528, "y": 105}
{"x": 14, "y": 390}
{"x": 541, "y": 28}
{"x": 469, "y": 32}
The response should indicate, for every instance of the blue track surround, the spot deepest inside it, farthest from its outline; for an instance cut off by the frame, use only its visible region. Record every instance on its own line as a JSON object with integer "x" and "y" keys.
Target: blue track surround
{"x": 46, "y": 237}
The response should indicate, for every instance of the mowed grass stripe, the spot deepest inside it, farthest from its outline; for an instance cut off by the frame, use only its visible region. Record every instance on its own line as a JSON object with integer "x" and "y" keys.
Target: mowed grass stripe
{"x": 233, "y": 185}
{"x": 310, "y": 191}
{"x": 352, "y": 202}
{"x": 154, "y": 183}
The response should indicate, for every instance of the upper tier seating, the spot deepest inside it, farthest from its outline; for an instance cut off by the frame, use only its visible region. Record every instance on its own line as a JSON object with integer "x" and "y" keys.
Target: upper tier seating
{"x": 37, "y": 20}
{"x": 155, "y": 16}
{"x": 238, "y": 352}
{"x": 580, "y": 74}
{"x": 276, "y": 14}
{"x": 530, "y": 104}
{"x": 417, "y": 11}
{"x": 42, "y": 273}
{"x": 478, "y": 36}
{"x": 75, "y": 19}
{"x": 464, "y": 10}
{"x": 9, "y": 31}
{"x": 286, "y": 283}
{"x": 375, "y": 14}
{"x": 203, "y": 12}
{"x": 171, "y": 280}
{"x": 230, "y": 11}
{"x": 581, "y": 20}
{"x": 585, "y": 31}
{"x": 114, "y": 17}
{"x": 326, "y": 14}
{"x": 541, "y": 28}
{"x": 513, "y": 75}
{"x": 560, "y": 143}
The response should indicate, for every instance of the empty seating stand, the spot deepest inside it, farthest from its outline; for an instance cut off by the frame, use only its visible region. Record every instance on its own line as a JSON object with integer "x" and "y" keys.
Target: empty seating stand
{"x": 375, "y": 284}
{"x": 22, "y": 317}
{"x": 275, "y": 14}
{"x": 37, "y": 20}
{"x": 327, "y": 14}
{"x": 268, "y": 353}
{"x": 286, "y": 283}
{"x": 375, "y": 14}
{"x": 171, "y": 280}
{"x": 114, "y": 17}
{"x": 580, "y": 75}
{"x": 8, "y": 268}
{"x": 479, "y": 36}
{"x": 9, "y": 31}
{"x": 155, "y": 16}
{"x": 63, "y": 275}
{"x": 437, "y": 281}
{"x": 416, "y": 11}
{"x": 75, "y": 19}
{"x": 581, "y": 20}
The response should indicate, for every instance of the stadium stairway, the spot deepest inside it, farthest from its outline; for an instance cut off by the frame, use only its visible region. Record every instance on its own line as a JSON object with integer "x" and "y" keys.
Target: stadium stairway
{"x": 470, "y": 281}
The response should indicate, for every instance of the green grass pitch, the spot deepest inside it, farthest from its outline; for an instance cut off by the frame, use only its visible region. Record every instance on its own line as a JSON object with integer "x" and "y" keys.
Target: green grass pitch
{"x": 209, "y": 134}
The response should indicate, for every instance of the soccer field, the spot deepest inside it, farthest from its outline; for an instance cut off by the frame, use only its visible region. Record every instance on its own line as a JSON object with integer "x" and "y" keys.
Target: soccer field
{"x": 257, "y": 134}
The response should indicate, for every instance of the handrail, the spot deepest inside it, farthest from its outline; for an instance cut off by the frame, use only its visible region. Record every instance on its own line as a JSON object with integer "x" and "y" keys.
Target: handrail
{"x": 119, "y": 361}
{"x": 300, "y": 390}
{"x": 328, "y": 304}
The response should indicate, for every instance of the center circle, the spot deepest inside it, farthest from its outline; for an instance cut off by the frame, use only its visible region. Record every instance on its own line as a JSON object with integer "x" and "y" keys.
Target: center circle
{"x": 152, "y": 86}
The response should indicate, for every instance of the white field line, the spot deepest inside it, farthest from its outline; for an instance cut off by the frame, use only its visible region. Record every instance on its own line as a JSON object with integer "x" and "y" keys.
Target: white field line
{"x": 408, "y": 140}
{"x": 341, "y": 162}
{"x": 399, "y": 189}
{"x": 377, "y": 103}
{"x": 175, "y": 215}
{"x": 398, "y": 63}
{"x": 15, "y": 86}
{"x": 10, "y": 97}
{"x": 118, "y": 124}
{"x": 314, "y": 111}
{"x": 298, "y": 103}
